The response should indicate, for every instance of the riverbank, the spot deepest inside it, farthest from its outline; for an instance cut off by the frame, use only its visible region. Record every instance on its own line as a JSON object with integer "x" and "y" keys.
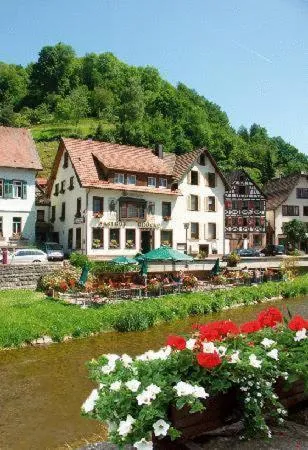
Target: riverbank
{"x": 27, "y": 316}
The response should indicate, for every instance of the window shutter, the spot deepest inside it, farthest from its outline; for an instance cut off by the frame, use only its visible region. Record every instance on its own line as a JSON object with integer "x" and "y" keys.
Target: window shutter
{"x": 199, "y": 203}
{"x": 205, "y": 231}
{"x": 215, "y": 204}
{"x": 206, "y": 206}
{"x": 189, "y": 203}
{"x": 24, "y": 189}
{"x": 189, "y": 177}
{"x": 8, "y": 189}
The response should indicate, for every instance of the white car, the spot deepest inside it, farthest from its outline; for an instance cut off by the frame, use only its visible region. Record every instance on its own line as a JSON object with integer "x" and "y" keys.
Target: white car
{"x": 27, "y": 255}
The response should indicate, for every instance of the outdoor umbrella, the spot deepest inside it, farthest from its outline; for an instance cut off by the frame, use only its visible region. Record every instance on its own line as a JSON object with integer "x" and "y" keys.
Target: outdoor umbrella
{"x": 165, "y": 254}
{"x": 124, "y": 260}
{"x": 216, "y": 268}
{"x": 84, "y": 275}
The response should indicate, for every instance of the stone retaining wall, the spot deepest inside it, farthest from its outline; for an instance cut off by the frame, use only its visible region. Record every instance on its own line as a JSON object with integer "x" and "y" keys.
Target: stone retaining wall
{"x": 24, "y": 276}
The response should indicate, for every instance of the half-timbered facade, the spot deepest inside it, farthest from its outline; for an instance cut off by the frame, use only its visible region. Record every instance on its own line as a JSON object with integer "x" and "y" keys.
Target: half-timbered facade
{"x": 245, "y": 212}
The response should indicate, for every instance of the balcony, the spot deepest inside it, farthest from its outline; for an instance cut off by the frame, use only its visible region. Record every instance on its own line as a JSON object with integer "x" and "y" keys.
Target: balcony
{"x": 132, "y": 208}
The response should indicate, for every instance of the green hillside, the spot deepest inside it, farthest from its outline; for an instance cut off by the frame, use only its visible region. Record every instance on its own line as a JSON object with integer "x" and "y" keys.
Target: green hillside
{"x": 100, "y": 96}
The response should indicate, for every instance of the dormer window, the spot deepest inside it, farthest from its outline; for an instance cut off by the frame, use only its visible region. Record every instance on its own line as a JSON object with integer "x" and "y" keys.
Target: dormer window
{"x": 202, "y": 160}
{"x": 151, "y": 182}
{"x": 131, "y": 179}
{"x": 62, "y": 187}
{"x": 163, "y": 182}
{"x": 119, "y": 178}
{"x": 65, "y": 160}
{"x": 194, "y": 177}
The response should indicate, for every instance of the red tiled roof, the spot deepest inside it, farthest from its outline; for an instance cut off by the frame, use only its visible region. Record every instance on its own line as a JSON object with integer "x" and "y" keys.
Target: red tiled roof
{"x": 278, "y": 190}
{"x": 17, "y": 149}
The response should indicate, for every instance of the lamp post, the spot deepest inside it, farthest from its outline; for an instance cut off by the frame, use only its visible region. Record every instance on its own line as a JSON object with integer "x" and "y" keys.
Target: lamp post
{"x": 186, "y": 226}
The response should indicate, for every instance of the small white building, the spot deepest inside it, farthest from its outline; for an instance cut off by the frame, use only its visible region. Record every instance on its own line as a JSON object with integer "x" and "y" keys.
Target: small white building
{"x": 111, "y": 199}
{"x": 287, "y": 199}
{"x": 19, "y": 163}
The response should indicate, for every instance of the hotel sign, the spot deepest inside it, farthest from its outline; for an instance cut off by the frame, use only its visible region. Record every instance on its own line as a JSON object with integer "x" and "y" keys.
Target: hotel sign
{"x": 148, "y": 225}
{"x": 114, "y": 224}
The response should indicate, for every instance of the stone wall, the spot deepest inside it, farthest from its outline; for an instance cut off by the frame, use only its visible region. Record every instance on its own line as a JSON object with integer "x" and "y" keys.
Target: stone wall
{"x": 23, "y": 276}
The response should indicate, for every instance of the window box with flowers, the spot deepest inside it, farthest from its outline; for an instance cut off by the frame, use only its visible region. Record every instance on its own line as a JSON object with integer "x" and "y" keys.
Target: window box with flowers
{"x": 167, "y": 218}
{"x": 114, "y": 244}
{"x": 98, "y": 214}
{"x": 130, "y": 244}
{"x": 193, "y": 383}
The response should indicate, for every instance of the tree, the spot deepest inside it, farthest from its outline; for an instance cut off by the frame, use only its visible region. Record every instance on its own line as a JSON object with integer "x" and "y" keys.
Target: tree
{"x": 13, "y": 84}
{"x": 75, "y": 106}
{"x": 103, "y": 103}
{"x": 268, "y": 172}
{"x": 295, "y": 232}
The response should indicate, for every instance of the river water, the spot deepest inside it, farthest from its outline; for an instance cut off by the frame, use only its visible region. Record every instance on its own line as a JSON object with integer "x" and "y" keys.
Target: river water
{"x": 42, "y": 388}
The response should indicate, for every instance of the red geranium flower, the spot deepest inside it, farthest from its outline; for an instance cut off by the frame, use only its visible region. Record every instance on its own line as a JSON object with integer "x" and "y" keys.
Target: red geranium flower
{"x": 177, "y": 342}
{"x": 63, "y": 286}
{"x": 250, "y": 327}
{"x": 229, "y": 327}
{"x": 270, "y": 317}
{"x": 208, "y": 360}
{"x": 297, "y": 323}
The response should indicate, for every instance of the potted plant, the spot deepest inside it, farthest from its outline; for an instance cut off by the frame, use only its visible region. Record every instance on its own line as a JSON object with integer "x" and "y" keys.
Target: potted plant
{"x": 233, "y": 259}
{"x": 166, "y": 243}
{"x": 96, "y": 243}
{"x": 192, "y": 384}
{"x": 114, "y": 243}
{"x": 129, "y": 244}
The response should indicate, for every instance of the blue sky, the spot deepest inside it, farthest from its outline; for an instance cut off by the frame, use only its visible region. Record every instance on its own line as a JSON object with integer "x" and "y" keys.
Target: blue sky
{"x": 248, "y": 56}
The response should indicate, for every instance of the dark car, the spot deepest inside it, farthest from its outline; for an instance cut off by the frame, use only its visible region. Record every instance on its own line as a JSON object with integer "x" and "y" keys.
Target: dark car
{"x": 273, "y": 250}
{"x": 248, "y": 252}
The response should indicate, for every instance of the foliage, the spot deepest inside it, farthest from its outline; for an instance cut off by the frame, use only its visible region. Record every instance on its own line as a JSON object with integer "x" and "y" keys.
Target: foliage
{"x": 233, "y": 259}
{"x": 289, "y": 267}
{"x": 133, "y": 105}
{"x": 295, "y": 232}
{"x": 134, "y": 395}
{"x": 79, "y": 260}
{"x": 60, "y": 280}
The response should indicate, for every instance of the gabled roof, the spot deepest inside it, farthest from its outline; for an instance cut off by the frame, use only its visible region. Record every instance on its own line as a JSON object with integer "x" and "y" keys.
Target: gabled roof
{"x": 17, "y": 149}
{"x": 279, "y": 189}
{"x": 233, "y": 175}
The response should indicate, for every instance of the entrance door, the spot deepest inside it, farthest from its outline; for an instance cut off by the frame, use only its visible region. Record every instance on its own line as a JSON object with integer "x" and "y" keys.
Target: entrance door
{"x": 147, "y": 240}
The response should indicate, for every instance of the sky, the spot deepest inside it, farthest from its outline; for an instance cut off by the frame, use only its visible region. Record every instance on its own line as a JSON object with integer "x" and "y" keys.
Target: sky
{"x": 248, "y": 56}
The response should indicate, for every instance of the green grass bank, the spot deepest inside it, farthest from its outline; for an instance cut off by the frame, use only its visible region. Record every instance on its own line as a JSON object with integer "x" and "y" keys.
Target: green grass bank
{"x": 27, "y": 315}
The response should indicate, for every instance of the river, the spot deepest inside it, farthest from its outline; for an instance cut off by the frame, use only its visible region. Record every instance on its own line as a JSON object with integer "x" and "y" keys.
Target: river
{"x": 42, "y": 388}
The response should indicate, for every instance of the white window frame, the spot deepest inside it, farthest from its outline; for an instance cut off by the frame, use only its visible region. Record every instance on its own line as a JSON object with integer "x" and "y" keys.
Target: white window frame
{"x": 16, "y": 223}
{"x": 208, "y": 231}
{"x": 151, "y": 181}
{"x": 131, "y": 179}
{"x": 163, "y": 183}
{"x": 17, "y": 185}
{"x": 119, "y": 178}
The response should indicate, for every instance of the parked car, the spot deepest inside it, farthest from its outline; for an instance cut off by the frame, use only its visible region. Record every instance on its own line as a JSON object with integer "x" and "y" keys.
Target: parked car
{"x": 54, "y": 251}
{"x": 249, "y": 252}
{"x": 27, "y": 255}
{"x": 273, "y": 250}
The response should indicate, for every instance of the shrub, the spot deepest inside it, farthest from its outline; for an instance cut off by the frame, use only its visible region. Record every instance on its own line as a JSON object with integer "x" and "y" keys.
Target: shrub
{"x": 79, "y": 260}
{"x": 61, "y": 279}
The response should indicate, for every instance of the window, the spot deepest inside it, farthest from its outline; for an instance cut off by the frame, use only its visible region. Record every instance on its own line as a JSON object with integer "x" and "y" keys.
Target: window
{"x": 152, "y": 182}
{"x": 163, "y": 182}
{"x": 70, "y": 238}
{"x": 56, "y": 189}
{"x": 194, "y": 177}
{"x": 193, "y": 203}
{"x": 305, "y": 211}
{"x": 151, "y": 208}
{"x": 131, "y": 179}
{"x": 130, "y": 238}
{"x": 1, "y": 188}
{"x": 212, "y": 231}
{"x": 62, "y": 217}
{"x": 119, "y": 178}
{"x": 132, "y": 210}
{"x": 17, "y": 189}
{"x": 98, "y": 204}
{"x": 71, "y": 186}
{"x": 242, "y": 189}
{"x": 114, "y": 238}
{"x": 290, "y": 210}
{"x": 194, "y": 230}
{"x": 302, "y": 193}
{"x": 97, "y": 237}
{"x": 65, "y": 160}
{"x": 53, "y": 213}
{"x": 16, "y": 226}
{"x": 62, "y": 187}
{"x": 244, "y": 205}
{"x": 1, "y": 227}
{"x": 211, "y": 179}
{"x": 166, "y": 209}
{"x": 211, "y": 203}
{"x": 40, "y": 215}
{"x": 78, "y": 207}
{"x": 166, "y": 237}
{"x": 78, "y": 239}
{"x": 202, "y": 160}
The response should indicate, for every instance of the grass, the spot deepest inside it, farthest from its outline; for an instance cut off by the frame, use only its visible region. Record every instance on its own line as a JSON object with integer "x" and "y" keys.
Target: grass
{"x": 26, "y": 315}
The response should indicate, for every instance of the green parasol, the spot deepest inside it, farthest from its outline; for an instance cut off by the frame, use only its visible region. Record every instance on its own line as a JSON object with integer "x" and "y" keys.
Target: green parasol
{"x": 165, "y": 254}
{"x": 216, "y": 269}
{"x": 124, "y": 260}
{"x": 84, "y": 275}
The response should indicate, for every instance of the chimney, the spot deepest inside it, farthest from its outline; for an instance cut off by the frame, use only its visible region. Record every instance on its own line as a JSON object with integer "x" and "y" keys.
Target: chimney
{"x": 159, "y": 151}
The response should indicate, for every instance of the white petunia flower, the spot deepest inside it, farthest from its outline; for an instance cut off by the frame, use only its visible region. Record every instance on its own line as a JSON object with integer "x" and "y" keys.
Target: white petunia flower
{"x": 133, "y": 385}
{"x": 89, "y": 404}
{"x": 126, "y": 360}
{"x": 190, "y": 344}
{"x": 222, "y": 350}
{"x": 234, "y": 358}
{"x": 108, "y": 368}
{"x": 267, "y": 342}
{"x": 144, "y": 398}
{"x": 125, "y": 426}
{"x": 153, "y": 389}
{"x": 161, "y": 428}
{"x": 143, "y": 445}
{"x": 182, "y": 389}
{"x": 150, "y": 355}
{"x": 273, "y": 354}
{"x": 116, "y": 386}
{"x": 208, "y": 347}
{"x": 300, "y": 335}
{"x": 112, "y": 357}
{"x": 199, "y": 392}
{"x": 254, "y": 361}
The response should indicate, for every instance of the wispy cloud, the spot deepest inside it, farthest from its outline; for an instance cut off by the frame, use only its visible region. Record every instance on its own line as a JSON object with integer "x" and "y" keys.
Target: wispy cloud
{"x": 253, "y": 52}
